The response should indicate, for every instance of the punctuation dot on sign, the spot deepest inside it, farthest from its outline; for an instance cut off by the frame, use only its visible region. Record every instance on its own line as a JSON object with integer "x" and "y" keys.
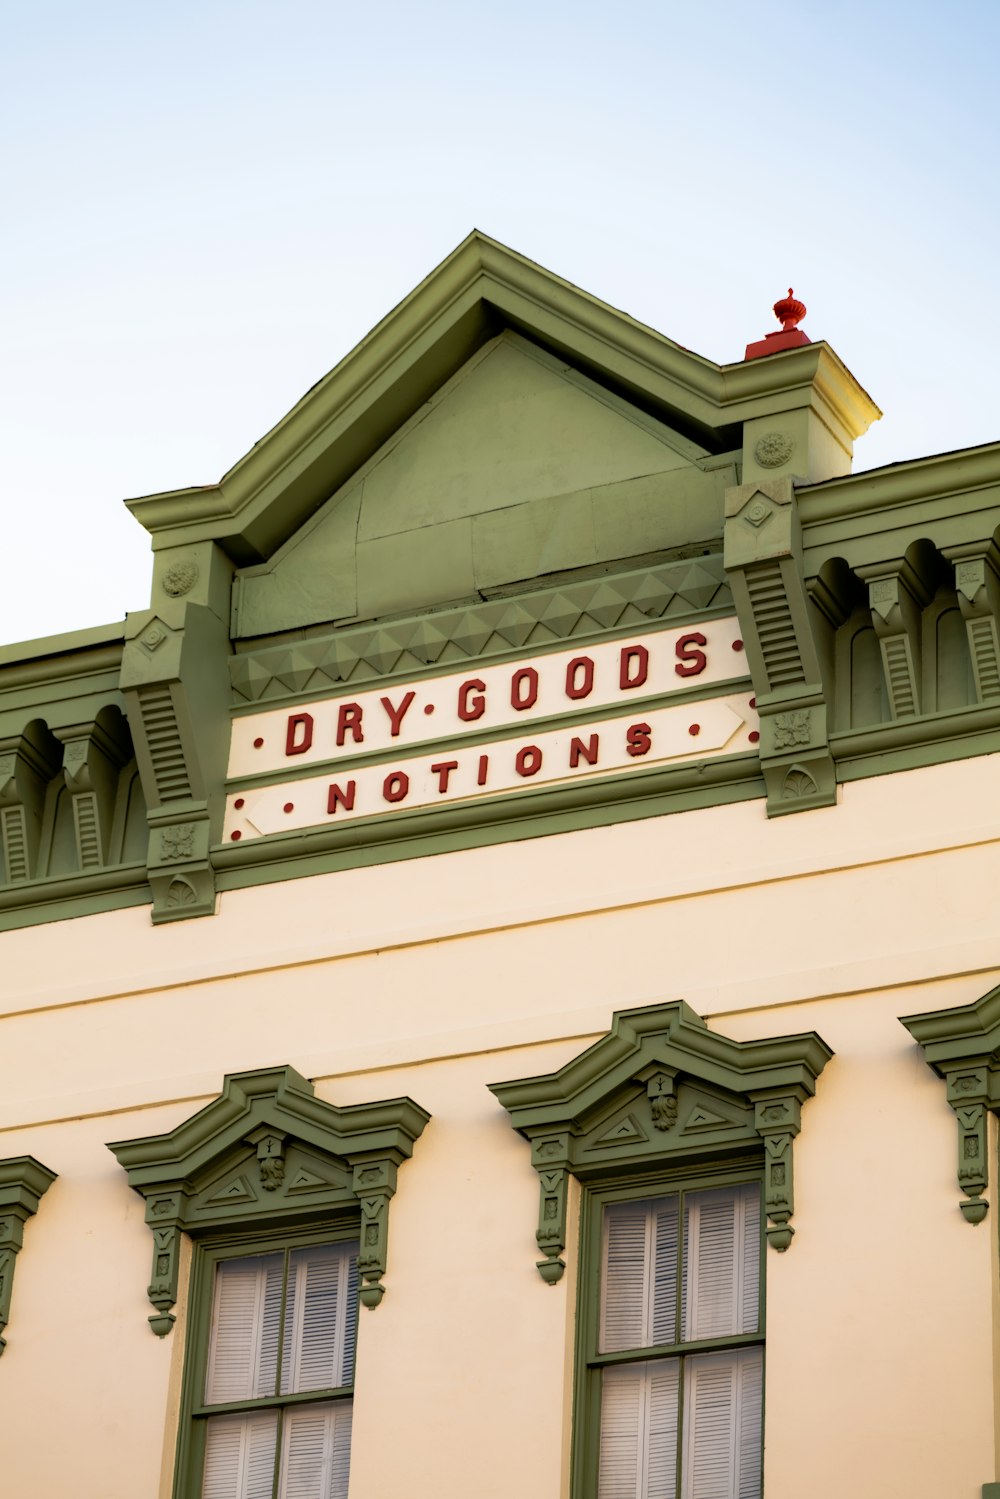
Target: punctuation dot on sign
{"x": 238, "y": 803}
{"x": 236, "y": 836}
{"x": 289, "y": 807}
{"x": 695, "y": 728}
{"x": 737, "y": 645}
{"x": 753, "y": 736}
{"x": 753, "y": 702}
{"x": 428, "y": 708}
{"x": 258, "y": 744}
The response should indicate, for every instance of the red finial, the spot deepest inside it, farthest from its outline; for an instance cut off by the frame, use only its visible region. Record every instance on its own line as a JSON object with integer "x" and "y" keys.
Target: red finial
{"x": 789, "y": 312}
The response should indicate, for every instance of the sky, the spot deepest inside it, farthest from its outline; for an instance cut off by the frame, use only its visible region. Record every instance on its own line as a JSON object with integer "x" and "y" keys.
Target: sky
{"x": 205, "y": 206}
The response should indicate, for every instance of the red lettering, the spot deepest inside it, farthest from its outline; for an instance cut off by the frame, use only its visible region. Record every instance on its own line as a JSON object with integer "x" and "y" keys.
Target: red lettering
{"x": 471, "y": 708}
{"x": 337, "y": 798}
{"x": 579, "y": 751}
{"x": 484, "y": 765}
{"x": 638, "y": 739}
{"x": 395, "y": 786}
{"x": 443, "y": 770}
{"x": 349, "y": 717}
{"x": 300, "y": 733}
{"x": 396, "y": 715}
{"x": 524, "y": 688}
{"x": 528, "y": 760}
{"x": 637, "y": 656}
{"x": 585, "y": 686}
{"x": 694, "y": 661}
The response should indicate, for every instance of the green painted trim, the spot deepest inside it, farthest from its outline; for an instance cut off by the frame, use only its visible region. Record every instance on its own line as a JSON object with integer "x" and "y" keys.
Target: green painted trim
{"x": 30, "y": 652}
{"x": 962, "y": 1046}
{"x": 632, "y": 1100}
{"x": 660, "y": 593}
{"x": 528, "y": 814}
{"x": 283, "y": 1156}
{"x": 23, "y": 1183}
{"x": 85, "y": 894}
{"x": 991, "y": 1491}
{"x": 479, "y": 289}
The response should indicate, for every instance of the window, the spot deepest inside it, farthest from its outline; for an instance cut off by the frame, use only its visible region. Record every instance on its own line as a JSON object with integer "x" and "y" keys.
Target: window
{"x": 672, "y": 1375}
{"x": 271, "y": 1368}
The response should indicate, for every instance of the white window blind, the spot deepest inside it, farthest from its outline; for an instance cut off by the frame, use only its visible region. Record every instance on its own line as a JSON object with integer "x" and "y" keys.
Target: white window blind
{"x": 239, "y": 1456}
{"x": 639, "y": 1431}
{"x": 246, "y": 1314}
{"x": 316, "y": 1452}
{"x": 721, "y": 1262}
{"x": 716, "y": 1426}
{"x": 306, "y": 1301}
{"x": 639, "y": 1306}
{"x": 722, "y": 1425}
{"x": 320, "y": 1318}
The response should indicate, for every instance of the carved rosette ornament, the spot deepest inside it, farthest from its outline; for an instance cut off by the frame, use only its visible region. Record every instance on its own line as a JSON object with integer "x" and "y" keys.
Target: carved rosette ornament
{"x": 773, "y": 449}
{"x": 180, "y": 578}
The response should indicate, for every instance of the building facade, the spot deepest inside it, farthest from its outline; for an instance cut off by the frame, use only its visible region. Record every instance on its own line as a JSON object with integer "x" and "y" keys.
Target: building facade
{"x": 500, "y": 957}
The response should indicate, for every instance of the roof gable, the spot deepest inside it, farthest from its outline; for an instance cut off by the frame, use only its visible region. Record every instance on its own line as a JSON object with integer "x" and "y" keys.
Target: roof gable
{"x": 479, "y": 290}
{"x": 517, "y": 468}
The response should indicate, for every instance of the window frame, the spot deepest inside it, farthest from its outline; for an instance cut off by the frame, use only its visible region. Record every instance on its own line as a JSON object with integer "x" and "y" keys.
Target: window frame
{"x": 589, "y": 1362}
{"x": 195, "y": 1412}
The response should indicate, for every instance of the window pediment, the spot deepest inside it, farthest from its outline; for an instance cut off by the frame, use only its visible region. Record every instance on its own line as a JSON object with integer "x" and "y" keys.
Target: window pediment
{"x": 267, "y": 1150}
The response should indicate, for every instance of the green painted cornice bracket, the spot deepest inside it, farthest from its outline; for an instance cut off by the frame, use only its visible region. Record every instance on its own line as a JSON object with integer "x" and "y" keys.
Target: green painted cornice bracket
{"x": 897, "y": 595}
{"x": 94, "y": 754}
{"x": 763, "y": 558}
{"x": 977, "y": 584}
{"x": 635, "y": 1074}
{"x": 175, "y": 679}
{"x": 28, "y": 762}
{"x": 23, "y": 1183}
{"x": 963, "y": 1047}
{"x": 268, "y": 1151}
{"x": 480, "y": 289}
{"x": 991, "y": 1491}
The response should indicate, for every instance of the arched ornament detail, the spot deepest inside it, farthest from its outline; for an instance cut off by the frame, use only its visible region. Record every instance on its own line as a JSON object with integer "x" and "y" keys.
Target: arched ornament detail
{"x": 662, "y": 1089}
{"x": 267, "y": 1152}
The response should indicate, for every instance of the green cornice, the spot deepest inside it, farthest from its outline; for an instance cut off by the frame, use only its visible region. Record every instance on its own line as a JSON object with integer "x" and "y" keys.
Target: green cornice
{"x": 267, "y": 1151}
{"x": 23, "y": 1182}
{"x": 662, "y": 1088}
{"x": 962, "y": 1045}
{"x": 479, "y": 289}
{"x": 592, "y": 609}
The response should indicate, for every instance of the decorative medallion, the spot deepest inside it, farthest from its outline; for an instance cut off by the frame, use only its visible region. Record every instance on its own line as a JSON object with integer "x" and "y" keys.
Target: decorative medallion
{"x": 773, "y": 449}
{"x": 177, "y": 842}
{"x": 791, "y": 728}
{"x": 180, "y": 578}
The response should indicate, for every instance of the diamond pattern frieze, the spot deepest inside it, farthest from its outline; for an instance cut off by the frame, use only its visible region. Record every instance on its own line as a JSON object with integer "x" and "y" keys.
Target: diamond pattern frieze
{"x": 492, "y": 627}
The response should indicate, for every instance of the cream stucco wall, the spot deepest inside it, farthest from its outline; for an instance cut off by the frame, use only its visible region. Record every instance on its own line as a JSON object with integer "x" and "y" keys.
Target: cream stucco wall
{"x": 439, "y": 976}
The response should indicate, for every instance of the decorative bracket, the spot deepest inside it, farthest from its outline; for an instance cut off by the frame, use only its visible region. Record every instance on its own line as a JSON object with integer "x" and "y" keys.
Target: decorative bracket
{"x": 963, "y": 1047}
{"x": 28, "y": 762}
{"x": 661, "y": 1089}
{"x": 977, "y": 584}
{"x": 778, "y": 1120}
{"x": 93, "y": 756}
{"x": 374, "y": 1183}
{"x": 763, "y": 555}
{"x": 266, "y": 1152}
{"x": 896, "y": 595}
{"x": 23, "y": 1182}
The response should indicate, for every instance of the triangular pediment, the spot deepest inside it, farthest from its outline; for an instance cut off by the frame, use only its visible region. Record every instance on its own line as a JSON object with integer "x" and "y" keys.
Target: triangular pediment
{"x": 517, "y": 468}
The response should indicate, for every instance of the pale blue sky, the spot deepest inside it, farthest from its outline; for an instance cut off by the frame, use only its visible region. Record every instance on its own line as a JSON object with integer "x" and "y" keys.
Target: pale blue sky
{"x": 206, "y": 205}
